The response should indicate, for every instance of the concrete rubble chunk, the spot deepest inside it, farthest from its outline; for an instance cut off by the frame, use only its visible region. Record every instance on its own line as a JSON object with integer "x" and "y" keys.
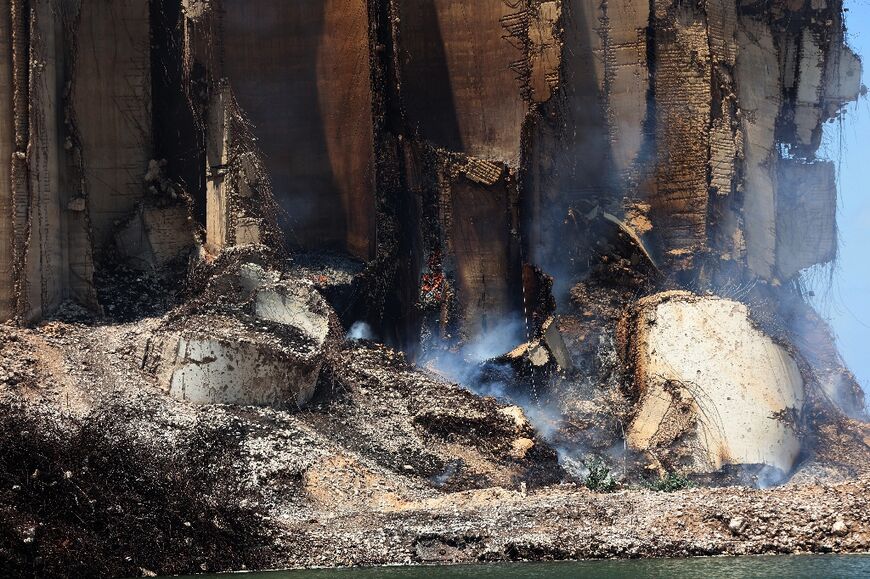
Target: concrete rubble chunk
{"x": 713, "y": 389}
{"x": 299, "y": 306}
{"x": 552, "y": 337}
{"x": 842, "y": 75}
{"x": 272, "y": 357}
{"x": 216, "y": 366}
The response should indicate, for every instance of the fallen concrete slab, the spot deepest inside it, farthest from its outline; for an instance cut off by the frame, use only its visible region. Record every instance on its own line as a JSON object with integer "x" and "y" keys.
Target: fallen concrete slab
{"x": 713, "y": 389}
{"x": 262, "y": 342}
{"x": 221, "y": 360}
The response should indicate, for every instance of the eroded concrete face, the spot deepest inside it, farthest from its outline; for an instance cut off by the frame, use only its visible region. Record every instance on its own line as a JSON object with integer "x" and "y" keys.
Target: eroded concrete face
{"x": 295, "y": 305}
{"x": 214, "y": 369}
{"x": 458, "y": 85}
{"x": 714, "y": 389}
{"x": 300, "y": 74}
{"x": 682, "y": 87}
{"x": 759, "y": 91}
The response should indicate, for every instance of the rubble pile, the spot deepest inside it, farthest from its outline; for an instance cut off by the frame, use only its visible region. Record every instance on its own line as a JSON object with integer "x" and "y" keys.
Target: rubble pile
{"x": 436, "y": 271}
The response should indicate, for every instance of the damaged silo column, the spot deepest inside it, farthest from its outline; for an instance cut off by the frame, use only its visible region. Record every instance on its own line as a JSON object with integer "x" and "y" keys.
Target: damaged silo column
{"x": 39, "y": 272}
{"x": 81, "y": 117}
{"x": 46, "y": 267}
{"x": 288, "y": 121}
{"x": 459, "y": 89}
{"x": 112, "y": 98}
{"x": 682, "y": 120}
{"x": 32, "y": 249}
{"x": 725, "y": 233}
{"x": 626, "y": 82}
{"x": 7, "y": 151}
{"x": 759, "y": 90}
{"x": 584, "y": 147}
{"x": 20, "y": 24}
{"x": 468, "y": 77}
{"x": 807, "y": 112}
{"x": 217, "y": 196}
{"x": 842, "y": 77}
{"x": 480, "y": 234}
{"x": 544, "y": 52}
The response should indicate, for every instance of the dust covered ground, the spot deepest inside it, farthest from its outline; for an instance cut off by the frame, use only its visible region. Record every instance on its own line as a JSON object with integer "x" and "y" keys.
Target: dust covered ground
{"x": 104, "y": 474}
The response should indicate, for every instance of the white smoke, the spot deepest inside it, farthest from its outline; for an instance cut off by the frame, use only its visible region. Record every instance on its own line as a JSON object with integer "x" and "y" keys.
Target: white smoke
{"x": 360, "y": 331}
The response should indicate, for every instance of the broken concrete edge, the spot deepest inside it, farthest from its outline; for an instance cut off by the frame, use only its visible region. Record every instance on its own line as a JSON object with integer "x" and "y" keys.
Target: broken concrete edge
{"x": 203, "y": 367}
{"x": 247, "y": 332}
{"x": 545, "y": 352}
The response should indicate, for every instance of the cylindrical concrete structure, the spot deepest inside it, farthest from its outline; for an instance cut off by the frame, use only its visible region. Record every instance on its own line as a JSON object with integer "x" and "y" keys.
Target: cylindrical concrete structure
{"x": 7, "y": 149}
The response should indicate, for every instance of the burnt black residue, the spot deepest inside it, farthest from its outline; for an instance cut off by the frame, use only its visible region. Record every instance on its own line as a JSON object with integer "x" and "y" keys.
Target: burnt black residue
{"x": 88, "y": 498}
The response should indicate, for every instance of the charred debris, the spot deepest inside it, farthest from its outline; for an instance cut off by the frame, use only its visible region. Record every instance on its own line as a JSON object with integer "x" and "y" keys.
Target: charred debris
{"x": 598, "y": 210}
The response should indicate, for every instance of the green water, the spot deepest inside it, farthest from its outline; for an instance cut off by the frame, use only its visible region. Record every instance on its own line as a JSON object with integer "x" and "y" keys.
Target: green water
{"x": 799, "y": 566}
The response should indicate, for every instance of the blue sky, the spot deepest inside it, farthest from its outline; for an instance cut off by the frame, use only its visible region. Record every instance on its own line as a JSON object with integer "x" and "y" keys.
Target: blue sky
{"x": 845, "y": 299}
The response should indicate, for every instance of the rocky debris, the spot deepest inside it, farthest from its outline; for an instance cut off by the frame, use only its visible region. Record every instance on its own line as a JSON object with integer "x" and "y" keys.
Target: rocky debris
{"x": 18, "y": 360}
{"x": 573, "y": 523}
{"x": 389, "y": 464}
{"x": 546, "y": 352}
{"x": 91, "y": 496}
{"x": 441, "y": 431}
{"x": 128, "y": 293}
{"x": 736, "y": 525}
{"x": 712, "y": 389}
{"x": 837, "y": 449}
{"x": 839, "y": 528}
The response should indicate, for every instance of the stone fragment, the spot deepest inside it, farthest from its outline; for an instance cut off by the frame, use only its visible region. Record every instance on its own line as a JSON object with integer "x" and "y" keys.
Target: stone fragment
{"x": 217, "y": 367}
{"x": 840, "y": 528}
{"x": 736, "y": 525}
{"x": 521, "y": 446}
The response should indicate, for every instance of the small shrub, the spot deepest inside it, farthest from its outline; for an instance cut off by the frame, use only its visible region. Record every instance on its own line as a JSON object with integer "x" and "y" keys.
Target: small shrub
{"x": 671, "y": 482}
{"x": 599, "y": 478}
